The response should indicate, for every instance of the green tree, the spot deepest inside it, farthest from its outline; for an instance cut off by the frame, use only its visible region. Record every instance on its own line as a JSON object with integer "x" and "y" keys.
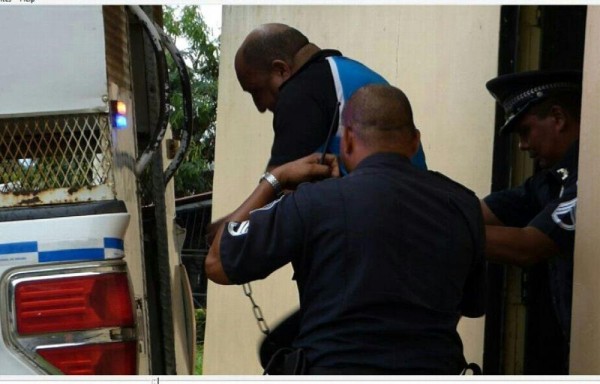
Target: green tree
{"x": 188, "y": 30}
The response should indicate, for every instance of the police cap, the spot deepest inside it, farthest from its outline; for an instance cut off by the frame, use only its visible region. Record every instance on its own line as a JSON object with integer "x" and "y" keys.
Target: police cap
{"x": 517, "y": 92}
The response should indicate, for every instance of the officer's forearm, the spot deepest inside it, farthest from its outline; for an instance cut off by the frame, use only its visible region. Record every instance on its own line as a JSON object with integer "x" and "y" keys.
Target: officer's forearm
{"x": 489, "y": 218}
{"x": 287, "y": 175}
{"x": 262, "y": 195}
{"x": 517, "y": 246}
{"x": 212, "y": 264}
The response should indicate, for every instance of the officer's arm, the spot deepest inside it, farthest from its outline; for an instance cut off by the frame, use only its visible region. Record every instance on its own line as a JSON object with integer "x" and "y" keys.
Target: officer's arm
{"x": 517, "y": 246}
{"x": 489, "y": 218}
{"x": 289, "y": 175}
{"x": 213, "y": 228}
{"x": 262, "y": 195}
{"x": 522, "y": 247}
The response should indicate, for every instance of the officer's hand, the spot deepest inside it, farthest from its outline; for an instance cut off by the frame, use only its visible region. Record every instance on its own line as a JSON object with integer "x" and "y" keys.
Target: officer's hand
{"x": 306, "y": 169}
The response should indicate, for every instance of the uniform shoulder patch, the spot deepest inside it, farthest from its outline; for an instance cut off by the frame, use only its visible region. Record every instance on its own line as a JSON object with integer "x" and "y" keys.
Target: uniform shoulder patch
{"x": 238, "y": 229}
{"x": 564, "y": 214}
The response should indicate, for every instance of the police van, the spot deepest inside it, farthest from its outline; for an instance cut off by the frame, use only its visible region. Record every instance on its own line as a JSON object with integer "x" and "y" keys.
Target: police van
{"x": 85, "y": 286}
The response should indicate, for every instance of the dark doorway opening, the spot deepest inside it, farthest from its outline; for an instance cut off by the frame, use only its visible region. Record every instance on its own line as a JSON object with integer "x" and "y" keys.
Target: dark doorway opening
{"x": 561, "y": 46}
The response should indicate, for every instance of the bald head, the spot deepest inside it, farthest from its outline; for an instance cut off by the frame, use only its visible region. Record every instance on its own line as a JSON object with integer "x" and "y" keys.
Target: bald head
{"x": 381, "y": 118}
{"x": 267, "y": 58}
{"x": 270, "y": 42}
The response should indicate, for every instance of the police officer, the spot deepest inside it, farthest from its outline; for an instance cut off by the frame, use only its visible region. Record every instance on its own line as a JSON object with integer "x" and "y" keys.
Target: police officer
{"x": 535, "y": 222}
{"x": 387, "y": 259}
{"x": 305, "y": 87}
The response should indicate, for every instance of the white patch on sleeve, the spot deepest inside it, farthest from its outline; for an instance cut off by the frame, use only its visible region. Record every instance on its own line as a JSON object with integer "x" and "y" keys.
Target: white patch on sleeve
{"x": 564, "y": 215}
{"x": 268, "y": 206}
{"x": 238, "y": 229}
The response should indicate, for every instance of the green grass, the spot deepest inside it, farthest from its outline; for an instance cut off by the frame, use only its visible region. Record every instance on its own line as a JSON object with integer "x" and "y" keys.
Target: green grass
{"x": 199, "y": 355}
{"x": 200, "y": 323}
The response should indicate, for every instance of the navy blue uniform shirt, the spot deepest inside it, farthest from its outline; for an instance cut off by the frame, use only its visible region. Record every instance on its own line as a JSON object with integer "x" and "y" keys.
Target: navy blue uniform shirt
{"x": 386, "y": 260}
{"x": 548, "y": 201}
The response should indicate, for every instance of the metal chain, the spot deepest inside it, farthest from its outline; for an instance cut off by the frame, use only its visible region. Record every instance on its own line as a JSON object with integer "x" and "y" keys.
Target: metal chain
{"x": 262, "y": 323}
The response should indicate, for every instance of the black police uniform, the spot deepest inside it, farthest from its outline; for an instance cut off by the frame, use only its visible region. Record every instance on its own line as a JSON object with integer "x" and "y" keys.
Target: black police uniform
{"x": 386, "y": 260}
{"x": 307, "y": 105}
{"x": 546, "y": 201}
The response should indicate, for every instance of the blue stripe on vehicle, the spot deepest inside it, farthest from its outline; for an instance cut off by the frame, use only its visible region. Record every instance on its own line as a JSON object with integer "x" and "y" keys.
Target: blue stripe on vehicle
{"x": 71, "y": 255}
{"x": 23, "y": 247}
{"x": 112, "y": 242}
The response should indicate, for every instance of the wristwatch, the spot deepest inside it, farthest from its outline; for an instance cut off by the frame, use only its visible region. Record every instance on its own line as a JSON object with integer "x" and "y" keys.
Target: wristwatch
{"x": 268, "y": 176}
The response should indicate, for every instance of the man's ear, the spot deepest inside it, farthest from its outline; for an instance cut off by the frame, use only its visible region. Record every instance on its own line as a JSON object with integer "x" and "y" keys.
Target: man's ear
{"x": 281, "y": 68}
{"x": 347, "y": 144}
{"x": 559, "y": 115}
{"x": 414, "y": 143}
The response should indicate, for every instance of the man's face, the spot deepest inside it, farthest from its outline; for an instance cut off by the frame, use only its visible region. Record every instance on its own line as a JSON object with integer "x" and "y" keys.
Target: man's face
{"x": 538, "y": 136}
{"x": 263, "y": 86}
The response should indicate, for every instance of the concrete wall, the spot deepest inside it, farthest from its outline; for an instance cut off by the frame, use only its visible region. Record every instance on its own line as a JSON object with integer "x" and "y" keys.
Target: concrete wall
{"x": 441, "y": 56}
{"x": 585, "y": 327}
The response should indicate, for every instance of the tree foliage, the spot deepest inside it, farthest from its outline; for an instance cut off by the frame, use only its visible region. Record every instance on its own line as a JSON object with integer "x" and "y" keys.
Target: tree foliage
{"x": 187, "y": 29}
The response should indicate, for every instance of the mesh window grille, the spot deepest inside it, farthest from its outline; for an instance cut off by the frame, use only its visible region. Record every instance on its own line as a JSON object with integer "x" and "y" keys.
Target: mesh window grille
{"x": 52, "y": 152}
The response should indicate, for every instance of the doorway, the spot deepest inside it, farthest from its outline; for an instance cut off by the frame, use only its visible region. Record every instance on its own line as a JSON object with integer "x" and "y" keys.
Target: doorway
{"x": 521, "y": 333}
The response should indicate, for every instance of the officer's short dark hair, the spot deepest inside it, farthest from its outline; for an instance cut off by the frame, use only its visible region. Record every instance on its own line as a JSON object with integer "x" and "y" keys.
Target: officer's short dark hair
{"x": 379, "y": 109}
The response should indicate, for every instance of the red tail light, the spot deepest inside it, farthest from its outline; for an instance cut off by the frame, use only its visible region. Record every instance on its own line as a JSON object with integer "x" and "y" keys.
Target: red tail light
{"x": 74, "y": 303}
{"x": 80, "y": 320}
{"x": 96, "y": 359}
